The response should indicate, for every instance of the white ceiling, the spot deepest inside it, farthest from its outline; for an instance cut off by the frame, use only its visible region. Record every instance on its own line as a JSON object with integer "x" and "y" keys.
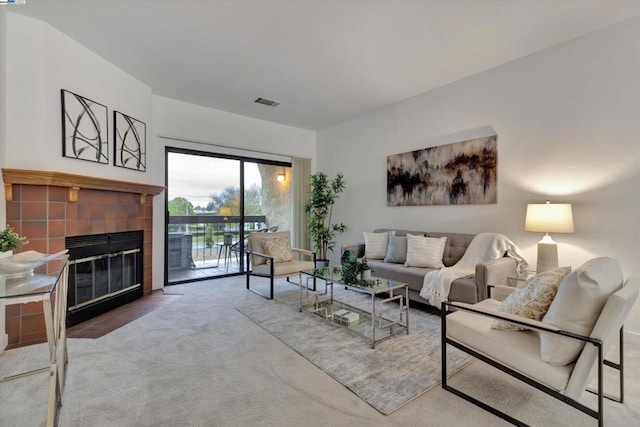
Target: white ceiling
{"x": 325, "y": 61}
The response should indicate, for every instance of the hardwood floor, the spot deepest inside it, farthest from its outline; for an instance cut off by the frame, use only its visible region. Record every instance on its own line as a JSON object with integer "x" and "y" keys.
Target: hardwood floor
{"x": 114, "y": 319}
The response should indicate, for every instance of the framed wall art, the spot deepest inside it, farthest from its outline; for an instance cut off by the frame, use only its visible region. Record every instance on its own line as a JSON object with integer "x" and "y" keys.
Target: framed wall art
{"x": 461, "y": 173}
{"x": 84, "y": 128}
{"x": 130, "y": 142}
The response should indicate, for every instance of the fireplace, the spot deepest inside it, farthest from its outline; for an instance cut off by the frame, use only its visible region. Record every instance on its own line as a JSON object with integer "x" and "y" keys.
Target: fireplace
{"x": 105, "y": 272}
{"x": 49, "y": 207}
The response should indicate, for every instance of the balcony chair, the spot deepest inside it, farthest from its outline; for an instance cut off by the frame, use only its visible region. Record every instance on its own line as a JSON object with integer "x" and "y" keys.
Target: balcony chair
{"x": 558, "y": 355}
{"x": 271, "y": 255}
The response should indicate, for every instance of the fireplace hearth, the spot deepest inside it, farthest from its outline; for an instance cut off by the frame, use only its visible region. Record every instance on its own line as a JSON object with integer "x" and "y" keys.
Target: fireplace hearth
{"x": 105, "y": 272}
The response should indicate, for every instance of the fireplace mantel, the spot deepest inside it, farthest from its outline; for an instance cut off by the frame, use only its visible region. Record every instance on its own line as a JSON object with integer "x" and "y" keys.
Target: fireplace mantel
{"x": 74, "y": 183}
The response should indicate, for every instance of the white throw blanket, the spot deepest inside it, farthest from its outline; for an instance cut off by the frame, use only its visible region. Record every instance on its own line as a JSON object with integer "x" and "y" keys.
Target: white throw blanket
{"x": 484, "y": 247}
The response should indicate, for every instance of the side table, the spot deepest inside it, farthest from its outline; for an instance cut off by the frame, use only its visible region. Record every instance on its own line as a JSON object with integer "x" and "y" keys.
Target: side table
{"x": 51, "y": 289}
{"x": 515, "y": 280}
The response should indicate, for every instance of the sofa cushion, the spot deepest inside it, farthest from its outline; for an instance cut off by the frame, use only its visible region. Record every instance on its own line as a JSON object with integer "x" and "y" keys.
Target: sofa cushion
{"x": 457, "y": 244}
{"x": 532, "y": 299}
{"x": 425, "y": 251}
{"x": 414, "y": 276}
{"x": 283, "y": 268}
{"x": 577, "y": 305}
{"x": 396, "y": 250}
{"x": 375, "y": 245}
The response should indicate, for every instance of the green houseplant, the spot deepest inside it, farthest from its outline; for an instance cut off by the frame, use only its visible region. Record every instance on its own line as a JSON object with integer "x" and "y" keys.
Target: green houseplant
{"x": 10, "y": 240}
{"x": 365, "y": 270}
{"x": 324, "y": 192}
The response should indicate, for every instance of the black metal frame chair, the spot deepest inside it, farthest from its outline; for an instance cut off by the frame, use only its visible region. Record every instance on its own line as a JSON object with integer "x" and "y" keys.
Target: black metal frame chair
{"x": 263, "y": 265}
{"x": 597, "y": 342}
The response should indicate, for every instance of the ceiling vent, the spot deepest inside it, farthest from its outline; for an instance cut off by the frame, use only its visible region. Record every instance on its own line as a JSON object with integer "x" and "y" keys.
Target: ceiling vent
{"x": 267, "y": 102}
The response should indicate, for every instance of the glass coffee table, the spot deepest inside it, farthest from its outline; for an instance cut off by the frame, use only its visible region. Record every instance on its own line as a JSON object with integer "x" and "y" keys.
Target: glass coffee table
{"x": 369, "y": 321}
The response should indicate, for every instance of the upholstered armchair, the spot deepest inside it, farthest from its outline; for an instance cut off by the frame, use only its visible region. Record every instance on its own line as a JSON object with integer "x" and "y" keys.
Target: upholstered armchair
{"x": 271, "y": 255}
{"x": 556, "y": 346}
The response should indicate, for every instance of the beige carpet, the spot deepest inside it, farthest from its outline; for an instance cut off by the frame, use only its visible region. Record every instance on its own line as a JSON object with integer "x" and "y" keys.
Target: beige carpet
{"x": 199, "y": 362}
{"x": 388, "y": 377}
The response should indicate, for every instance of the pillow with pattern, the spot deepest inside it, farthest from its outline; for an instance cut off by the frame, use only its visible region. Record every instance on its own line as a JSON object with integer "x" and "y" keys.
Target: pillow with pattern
{"x": 532, "y": 299}
{"x": 278, "y": 247}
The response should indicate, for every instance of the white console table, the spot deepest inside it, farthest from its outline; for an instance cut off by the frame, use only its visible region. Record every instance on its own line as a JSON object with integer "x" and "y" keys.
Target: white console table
{"x": 51, "y": 289}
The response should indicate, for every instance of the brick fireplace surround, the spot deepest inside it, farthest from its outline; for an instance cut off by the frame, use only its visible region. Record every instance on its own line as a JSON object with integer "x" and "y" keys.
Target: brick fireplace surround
{"x": 46, "y": 207}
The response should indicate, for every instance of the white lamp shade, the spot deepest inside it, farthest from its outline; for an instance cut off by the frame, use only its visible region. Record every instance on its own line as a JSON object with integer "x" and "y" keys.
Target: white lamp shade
{"x": 549, "y": 218}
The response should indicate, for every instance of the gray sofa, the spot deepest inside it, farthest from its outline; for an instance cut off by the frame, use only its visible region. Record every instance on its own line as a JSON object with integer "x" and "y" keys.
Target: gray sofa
{"x": 468, "y": 289}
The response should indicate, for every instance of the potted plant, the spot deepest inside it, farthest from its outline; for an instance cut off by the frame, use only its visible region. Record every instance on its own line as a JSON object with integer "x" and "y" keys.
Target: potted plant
{"x": 324, "y": 192}
{"x": 10, "y": 240}
{"x": 365, "y": 270}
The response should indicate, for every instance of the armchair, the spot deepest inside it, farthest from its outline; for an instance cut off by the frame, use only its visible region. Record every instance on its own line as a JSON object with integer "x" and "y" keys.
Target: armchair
{"x": 550, "y": 355}
{"x": 271, "y": 255}
{"x": 235, "y": 248}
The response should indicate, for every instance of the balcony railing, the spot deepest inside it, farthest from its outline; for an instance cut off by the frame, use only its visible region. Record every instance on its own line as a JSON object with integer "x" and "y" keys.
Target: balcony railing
{"x": 196, "y": 241}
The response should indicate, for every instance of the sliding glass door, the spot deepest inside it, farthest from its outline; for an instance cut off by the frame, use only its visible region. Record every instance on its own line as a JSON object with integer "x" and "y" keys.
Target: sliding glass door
{"x": 213, "y": 202}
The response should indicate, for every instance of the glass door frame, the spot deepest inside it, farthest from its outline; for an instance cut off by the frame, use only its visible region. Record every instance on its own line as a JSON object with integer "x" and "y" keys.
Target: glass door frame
{"x": 240, "y": 219}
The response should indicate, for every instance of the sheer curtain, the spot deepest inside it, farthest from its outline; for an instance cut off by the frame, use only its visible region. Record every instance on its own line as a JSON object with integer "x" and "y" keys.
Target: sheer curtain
{"x": 300, "y": 172}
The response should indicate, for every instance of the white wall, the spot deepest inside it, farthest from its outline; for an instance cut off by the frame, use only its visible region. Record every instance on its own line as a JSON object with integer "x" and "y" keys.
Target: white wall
{"x": 209, "y": 130}
{"x": 568, "y": 126}
{"x": 39, "y": 61}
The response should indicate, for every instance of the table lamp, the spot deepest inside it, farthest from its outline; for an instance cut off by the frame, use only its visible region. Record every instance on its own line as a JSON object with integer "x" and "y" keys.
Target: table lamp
{"x": 548, "y": 218}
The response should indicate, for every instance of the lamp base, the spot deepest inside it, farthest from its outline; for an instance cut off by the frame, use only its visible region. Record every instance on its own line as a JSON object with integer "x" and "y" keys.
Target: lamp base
{"x": 547, "y": 257}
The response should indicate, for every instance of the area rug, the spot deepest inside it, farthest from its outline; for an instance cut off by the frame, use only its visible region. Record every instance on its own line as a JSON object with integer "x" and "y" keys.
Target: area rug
{"x": 388, "y": 377}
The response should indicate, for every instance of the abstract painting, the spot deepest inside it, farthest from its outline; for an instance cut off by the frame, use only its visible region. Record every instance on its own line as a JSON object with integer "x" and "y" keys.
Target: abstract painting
{"x": 84, "y": 128}
{"x": 462, "y": 173}
{"x": 130, "y": 142}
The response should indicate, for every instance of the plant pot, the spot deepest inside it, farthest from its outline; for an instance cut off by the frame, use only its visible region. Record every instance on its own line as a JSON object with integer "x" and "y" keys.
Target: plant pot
{"x": 6, "y": 254}
{"x": 322, "y": 263}
{"x": 365, "y": 274}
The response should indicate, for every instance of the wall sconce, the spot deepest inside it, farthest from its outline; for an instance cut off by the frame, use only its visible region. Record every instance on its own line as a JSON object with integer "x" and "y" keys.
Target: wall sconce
{"x": 548, "y": 218}
{"x": 282, "y": 176}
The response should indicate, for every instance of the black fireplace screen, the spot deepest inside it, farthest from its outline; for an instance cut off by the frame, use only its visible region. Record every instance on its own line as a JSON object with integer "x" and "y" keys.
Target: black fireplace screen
{"x": 102, "y": 276}
{"x": 105, "y": 271}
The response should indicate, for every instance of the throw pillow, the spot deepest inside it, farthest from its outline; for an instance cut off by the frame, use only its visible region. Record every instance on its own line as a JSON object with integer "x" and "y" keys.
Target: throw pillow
{"x": 278, "y": 247}
{"x": 532, "y": 299}
{"x": 580, "y": 299}
{"x": 375, "y": 244}
{"x": 425, "y": 251}
{"x": 397, "y": 249}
